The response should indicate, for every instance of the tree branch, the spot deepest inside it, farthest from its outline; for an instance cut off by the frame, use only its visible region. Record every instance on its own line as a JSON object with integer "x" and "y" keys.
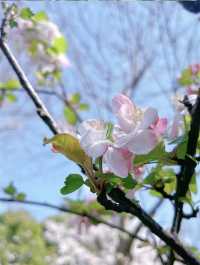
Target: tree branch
{"x": 67, "y": 210}
{"x": 40, "y": 107}
{"x": 119, "y": 203}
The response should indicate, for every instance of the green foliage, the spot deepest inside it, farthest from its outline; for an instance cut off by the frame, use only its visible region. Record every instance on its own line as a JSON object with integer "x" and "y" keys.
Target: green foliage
{"x": 10, "y": 84}
{"x": 75, "y": 98}
{"x": 70, "y": 115}
{"x": 186, "y": 78}
{"x": 11, "y": 190}
{"x": 26, "y": 13}
{"x": 87, "y": 207}
{"x": 22, "y": 240}
{"x": 11, "y": 97}
{"x": 109, "y": 128}
{"x": 40, "y": 16}
{"x": 83, "y": 106}
{"x": 69, "y": 146}
{"x": 129, "y": 183}
{"x": 161, "y": 177}
{"x": 59, "y": 45}
{"x": 72, "y": 183}
{"x": 181, "y": 148}
{"x": 156, "y": 155}
{"x": 193, "y": 185}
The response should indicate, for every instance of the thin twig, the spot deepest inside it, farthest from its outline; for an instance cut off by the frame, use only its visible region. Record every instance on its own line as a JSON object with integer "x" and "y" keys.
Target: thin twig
{"x": 67, "y": 210}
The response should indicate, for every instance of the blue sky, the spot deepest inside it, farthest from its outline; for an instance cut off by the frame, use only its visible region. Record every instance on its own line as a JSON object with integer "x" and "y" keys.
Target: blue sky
{"x": 34, "y": 168}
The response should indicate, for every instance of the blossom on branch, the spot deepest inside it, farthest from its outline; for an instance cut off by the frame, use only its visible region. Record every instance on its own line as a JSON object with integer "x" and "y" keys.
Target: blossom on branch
{"x": 138, "y": 132}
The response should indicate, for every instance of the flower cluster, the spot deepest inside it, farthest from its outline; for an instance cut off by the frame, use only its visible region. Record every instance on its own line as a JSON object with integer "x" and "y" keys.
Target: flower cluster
{"x": 137, "y": 132}
{"x": 44, "y": 42}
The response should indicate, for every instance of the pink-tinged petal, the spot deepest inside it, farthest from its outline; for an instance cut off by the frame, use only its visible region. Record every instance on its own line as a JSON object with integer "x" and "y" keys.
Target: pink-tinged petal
{"x": 160, "y": 126}
{"x": 150, "y": 117}
{"x": 143, "y": 142}
{"x": 120, "y": 100}
{"x": 173, "y": 132}
{"x": 138, "y": 171}
{"x": 124, "y": 110}
{"x": 118, "y": 162}
{"x": 63, "y": 60}
{"x": 91, "y": 124}
{"x": 97, "y": 149}
{"x": 94, "y": 143}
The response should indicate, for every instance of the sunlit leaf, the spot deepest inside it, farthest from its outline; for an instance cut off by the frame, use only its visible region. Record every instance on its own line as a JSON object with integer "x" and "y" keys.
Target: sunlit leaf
{"x": 26, "y": 13}
{"x": 10, "y": 84}
{"x": 193, "y": 184}
{"x": 11, "y": 97}
{"x": 186, "y": 78}
{"x": 83, "y": 106}
{"x": 70, "y": 115}
{"x": 69, "y": 146}
{"x": 59, "y": 45}
{"x": 75, "y": 98}
{"x": 40, "y": 16}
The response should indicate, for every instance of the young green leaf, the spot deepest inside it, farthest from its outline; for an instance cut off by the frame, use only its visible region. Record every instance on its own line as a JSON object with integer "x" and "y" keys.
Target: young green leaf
{"x": 72, "y": 183}
{"x": 10, "y": 189}
{"x": 60, "y": 45}
{"x": 70, "y": 115}
{"x": 69, "y": 146}
{"x": 26, "y": 13}
{"x": 186, "y": 78}
{"x": 75, "y": 98}
{"x": 129, "y": 183}
{"x": 157, "y": 154}
{"x": 10, "y": 84}
{"x": 40, "y": 16}
{"x": 83, "y": 106}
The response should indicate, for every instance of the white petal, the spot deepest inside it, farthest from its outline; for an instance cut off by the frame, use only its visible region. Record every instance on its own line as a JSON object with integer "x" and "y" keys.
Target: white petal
{"x": 90, "y": 124}
{"x": 116, "y": 162}
{"x": 143, "y": 142}
{"x": 94, "y": 144}
{"x": 150, "y": 117}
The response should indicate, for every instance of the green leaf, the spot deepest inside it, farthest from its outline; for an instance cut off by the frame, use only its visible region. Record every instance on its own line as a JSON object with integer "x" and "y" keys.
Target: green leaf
{"x": 182, "y": 148}
{"x": 129, "y": 183}
{"x": 109, "y": 178}
{"x": 75, "y": 98}
{"x": 157, "y": 154}
{"x": 186, "y": 78}
{"x": 10, "y": 84}
{"x": 72, "y": 183}
{"x": 69, "y": 146}
{"x": 84, "y": 106}
{"x": 20, "y": 196}
{"x": 26, "y": 13}
{"x": 70, "y": 115}
{"x": 193, "y": 184}
{"x": 40, "y": 16}
{"x": 59, "y": 45}
{"x": 12, "y": 23}
{"x": 155, "y": 193}
{"x": 11, "y": 97}
{"x": 109, "y": 129}
{"x": 10, "y": 189}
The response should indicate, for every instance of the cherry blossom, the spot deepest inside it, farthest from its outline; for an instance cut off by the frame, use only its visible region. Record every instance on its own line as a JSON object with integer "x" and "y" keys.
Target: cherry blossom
{"x": 38, "y": 37}
{"x": 139, "y": 130}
